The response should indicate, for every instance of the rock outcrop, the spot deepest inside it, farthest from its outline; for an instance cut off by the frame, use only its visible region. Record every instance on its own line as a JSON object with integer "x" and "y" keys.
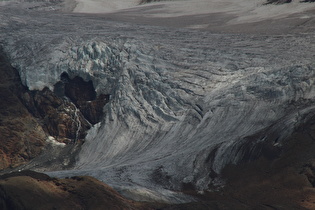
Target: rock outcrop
{"x": 60, "y": 118}
{"x": 21, "y": 136}
{"x": 84, "y": 96}
{"x": 31, "y": 190}
{"x": 30, "y": 119}
{"x": 69, "y": 111}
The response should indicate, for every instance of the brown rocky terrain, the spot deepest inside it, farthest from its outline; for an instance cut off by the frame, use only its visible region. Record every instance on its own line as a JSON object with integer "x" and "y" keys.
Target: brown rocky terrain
{"x": 67, "y": 112}
{"x": 31, "y": 190}
{"x": 21, "y": 136}
{"x": 285, "y": 182}
{"x": 27, "y": 117}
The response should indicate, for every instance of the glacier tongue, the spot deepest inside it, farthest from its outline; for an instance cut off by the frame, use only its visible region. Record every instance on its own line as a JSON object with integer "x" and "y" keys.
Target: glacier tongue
{"x": 183, "y": 103}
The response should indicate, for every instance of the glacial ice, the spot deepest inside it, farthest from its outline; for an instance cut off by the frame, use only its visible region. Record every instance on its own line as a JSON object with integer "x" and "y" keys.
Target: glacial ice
{"x": 183, "y": 102}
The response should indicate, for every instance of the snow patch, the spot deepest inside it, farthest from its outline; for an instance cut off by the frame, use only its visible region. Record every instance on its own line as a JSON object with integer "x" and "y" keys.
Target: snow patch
{"x": 51, "y": 140}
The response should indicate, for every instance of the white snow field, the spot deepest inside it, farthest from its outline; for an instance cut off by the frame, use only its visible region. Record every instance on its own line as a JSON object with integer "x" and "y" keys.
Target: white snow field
{"x": 184, "y": 102}
{"x": 103, "y": 6}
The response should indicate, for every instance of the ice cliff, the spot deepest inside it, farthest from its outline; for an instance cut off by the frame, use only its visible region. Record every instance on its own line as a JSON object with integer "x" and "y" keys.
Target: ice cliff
{"x": 183, "y": 103}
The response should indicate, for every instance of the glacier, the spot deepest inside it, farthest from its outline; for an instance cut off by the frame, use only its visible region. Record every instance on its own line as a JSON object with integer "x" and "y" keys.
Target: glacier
{"x": 183, "y": 103}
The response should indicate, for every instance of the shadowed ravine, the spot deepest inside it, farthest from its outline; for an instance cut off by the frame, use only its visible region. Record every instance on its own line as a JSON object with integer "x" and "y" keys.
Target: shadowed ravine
{"x": 175, "y": 106}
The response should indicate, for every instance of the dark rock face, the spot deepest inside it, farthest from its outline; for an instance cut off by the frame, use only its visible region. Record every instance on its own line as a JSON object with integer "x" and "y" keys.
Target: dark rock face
{"x": 285, "y": 181}
{"x": 83, "y": 95}
{"x": 77, "y": 89}
{"x": 67, "y": 112}
{"x": 60, "y": 117}
{"x": 27, "y": 117}
{"x": 21, "y": 136}
{"x": 93, "y": 110}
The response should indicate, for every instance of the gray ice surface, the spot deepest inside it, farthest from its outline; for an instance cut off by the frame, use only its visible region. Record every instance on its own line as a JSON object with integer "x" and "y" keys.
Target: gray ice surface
{"x": 182, "y": 101}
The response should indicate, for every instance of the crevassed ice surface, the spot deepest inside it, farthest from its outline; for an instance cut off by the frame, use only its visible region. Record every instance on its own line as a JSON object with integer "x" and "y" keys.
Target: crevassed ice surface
{"x": 182, "y": 102}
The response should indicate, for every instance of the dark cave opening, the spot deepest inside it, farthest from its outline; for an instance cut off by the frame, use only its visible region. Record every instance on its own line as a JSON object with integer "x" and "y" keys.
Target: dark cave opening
{"x": 76, "y": 89}
{"x": 69, "y": 111}
{"x": 83, "y": 95}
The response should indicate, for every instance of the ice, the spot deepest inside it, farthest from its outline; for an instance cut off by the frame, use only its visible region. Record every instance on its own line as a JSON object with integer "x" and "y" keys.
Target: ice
{"x": 53, "y": 142}
{"x": 183, "y": 102}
